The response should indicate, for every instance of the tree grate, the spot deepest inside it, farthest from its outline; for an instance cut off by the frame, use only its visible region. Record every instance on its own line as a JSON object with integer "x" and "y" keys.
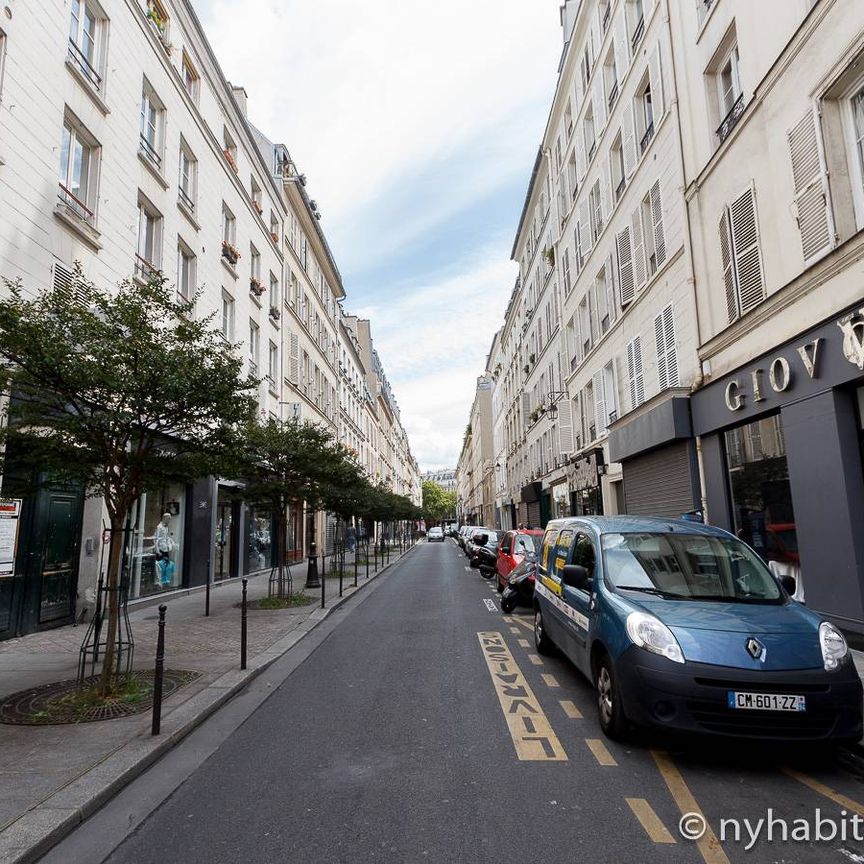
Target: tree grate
{"x": 42, "y": 706}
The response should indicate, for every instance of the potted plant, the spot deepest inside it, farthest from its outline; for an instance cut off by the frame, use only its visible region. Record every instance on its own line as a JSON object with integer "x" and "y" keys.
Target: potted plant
{"x": 275, "y": 314}
{"x": 549, "y": 255}
{"x": 256, "y": 286}
{"x": 229, "y": 158}
{"x": 230, "y": 253}
{"x": 258, "y": 208}
{"x": 275, "y": 237}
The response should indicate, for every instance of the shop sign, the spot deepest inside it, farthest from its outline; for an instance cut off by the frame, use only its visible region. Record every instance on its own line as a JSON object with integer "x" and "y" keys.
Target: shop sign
{"x": 10, "y": 513}
{"x": 781, "y": 374}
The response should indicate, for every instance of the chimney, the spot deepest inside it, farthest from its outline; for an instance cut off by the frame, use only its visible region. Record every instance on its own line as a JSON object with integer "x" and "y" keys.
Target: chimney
{"x": 240, "y": 97}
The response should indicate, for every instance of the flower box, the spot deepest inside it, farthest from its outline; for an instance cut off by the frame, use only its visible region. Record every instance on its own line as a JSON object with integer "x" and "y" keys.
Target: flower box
{"x": 275, "y": 314}
{"x": 230, "y": 253}
{"x": 256, "y": 287}
{"x": 229, "y": 158}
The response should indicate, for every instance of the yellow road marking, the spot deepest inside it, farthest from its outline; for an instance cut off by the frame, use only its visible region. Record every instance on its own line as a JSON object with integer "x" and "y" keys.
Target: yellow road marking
{"x": 601, "y": 752}
{"x": 532, "y": 734}
{"x": 515, "y": 630}
{"x": 708, "y": 844}
{"x": 535, "y": 659}
{"x": 650, "y": 821}
{"x": 524, "y": 643}
{"x": 570, "y": 709}
{"x": 521, "y": 621}
{"x": 508, "y": 619}
{"x": 549, "y": 680}
{"x": 827, "y": 791}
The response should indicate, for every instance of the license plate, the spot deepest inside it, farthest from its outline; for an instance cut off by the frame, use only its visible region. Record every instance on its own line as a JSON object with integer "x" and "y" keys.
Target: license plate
{"x": 766, "y": 701}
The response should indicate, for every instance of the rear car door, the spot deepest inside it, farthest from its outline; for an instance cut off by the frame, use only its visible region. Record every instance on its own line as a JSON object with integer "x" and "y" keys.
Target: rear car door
{"x": 503, "y": 565}
{"x": 578, "y": 603}
{"x": 549, "y": 587}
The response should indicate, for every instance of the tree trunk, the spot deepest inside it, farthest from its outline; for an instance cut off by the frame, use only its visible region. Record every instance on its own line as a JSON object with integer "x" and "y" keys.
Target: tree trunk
{"x": 112, "y": 583}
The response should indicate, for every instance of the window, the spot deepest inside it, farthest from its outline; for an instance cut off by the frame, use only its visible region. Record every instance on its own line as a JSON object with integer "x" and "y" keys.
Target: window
{"x": 152, "y": 126}
{"x": 191, "y": 79}
{"x": 230, "y": 252}
{"x": 572, "y": 176}
{"x": 274, "y": 227}
{"x": 644, "y": 115}
{"x": 187, "y": 184}
{"x": 729, "y": 97}
{"x": 273, "y": 363}
{"x": 568, "y": 119}
{"x": 596, "y": 211}
{"x": 229, "y": 149}
{"x": 856, "y": 105}
{"x": 565, "y": 271}
{"x": 185, "y": 272}
{"x": 148, "y": 259}
{"x": 227, "y": 316}
{"x": 158, "y": 18}
{"x": 635, "y": 16}
{"x": 255, "y": 194}
{"x": 255, "y": 266}
{"x": 635, "y": 376}
{"x": 585, "y": 338}
{"x": 605, "y": 397}
{"x": 741, "y": 256}
{"x": 577, "y": 240}
{"x": 616, "y": 164}
{"x": 86, "y": 28}
{"x": 604, "y": 13}
{"x": 254, "y": 342}
{"x": 274, "y": 294}
{"x": 588, "y": 132}
{"x": 610, "y": 77}
{"x": 667, "y": 354}
{"x": 79, "y": 170}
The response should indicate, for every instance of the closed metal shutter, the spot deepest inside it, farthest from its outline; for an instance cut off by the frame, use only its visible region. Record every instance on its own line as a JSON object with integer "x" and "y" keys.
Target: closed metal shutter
{"x": 534, "y": 514}
{"x": 659, "y": 483}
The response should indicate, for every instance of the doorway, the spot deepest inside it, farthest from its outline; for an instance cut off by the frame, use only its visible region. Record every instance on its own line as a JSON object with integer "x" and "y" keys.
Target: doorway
{"x": 225, "y": 539}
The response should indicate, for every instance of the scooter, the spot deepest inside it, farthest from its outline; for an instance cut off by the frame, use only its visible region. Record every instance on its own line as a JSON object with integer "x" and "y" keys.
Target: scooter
{"x": 520, "y": 587}
{"x": 484, "y": 557}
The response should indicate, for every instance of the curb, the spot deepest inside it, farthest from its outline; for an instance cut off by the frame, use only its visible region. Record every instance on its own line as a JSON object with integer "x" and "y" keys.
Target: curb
{"x": 37, "y": 830}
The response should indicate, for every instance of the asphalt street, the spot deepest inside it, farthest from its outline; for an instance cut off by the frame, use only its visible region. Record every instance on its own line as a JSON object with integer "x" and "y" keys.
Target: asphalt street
{"x": 392, "y": 742}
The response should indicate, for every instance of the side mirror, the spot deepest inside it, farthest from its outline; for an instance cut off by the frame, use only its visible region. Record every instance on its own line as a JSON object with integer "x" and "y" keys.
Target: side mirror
{"x": 789, "y": 584}
{"x": 479, "y": 539}
{"x": 576, "y": 576}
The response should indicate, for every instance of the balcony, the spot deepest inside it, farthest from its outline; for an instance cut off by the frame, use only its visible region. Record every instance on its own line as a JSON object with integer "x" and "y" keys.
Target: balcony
{"x": 731, "y": 119}
{"x": 619, "y": 189}
{"x": 646, "y": 138}
{"x": 185, "y": 199}
{"x": 613, "y": 94}
{"x": 638, "y": 33}
{"x": 80, "y": 61}
{"x": 148, "y": 151}
{"x": 144, "y": 269}
{"x": 76, "y": 205}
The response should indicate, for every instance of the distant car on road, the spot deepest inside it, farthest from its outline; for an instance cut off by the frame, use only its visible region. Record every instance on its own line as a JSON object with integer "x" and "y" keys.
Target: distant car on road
{"x": 682, "y": 627}
{"x": 435, "y": 534}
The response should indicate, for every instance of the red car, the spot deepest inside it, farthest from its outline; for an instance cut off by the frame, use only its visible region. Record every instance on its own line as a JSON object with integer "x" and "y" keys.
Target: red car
{"x": 512, "y": 548}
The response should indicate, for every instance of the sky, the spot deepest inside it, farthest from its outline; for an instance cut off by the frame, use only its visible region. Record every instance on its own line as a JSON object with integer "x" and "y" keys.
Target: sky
{"x": 417, "y": 125}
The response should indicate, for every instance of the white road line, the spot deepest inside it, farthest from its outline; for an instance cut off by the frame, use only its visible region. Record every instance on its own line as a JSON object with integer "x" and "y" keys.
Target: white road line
{"x": 490, "y": 605}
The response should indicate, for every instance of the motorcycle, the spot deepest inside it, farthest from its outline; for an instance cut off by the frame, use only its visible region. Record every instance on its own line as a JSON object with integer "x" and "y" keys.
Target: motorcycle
{"x": 484, "y": 557}
{"x": 520, "y": 586}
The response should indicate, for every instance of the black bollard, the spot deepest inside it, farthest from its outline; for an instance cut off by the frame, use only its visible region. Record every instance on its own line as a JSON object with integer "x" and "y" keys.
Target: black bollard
{"x": 355, "y": 566}
{"x": 243, "y": 627}
{"x": 323, "y": 584}
{"x": 207, "y": 593}
{"x": 367, "y": 558}
{"x": 158, "y": 672}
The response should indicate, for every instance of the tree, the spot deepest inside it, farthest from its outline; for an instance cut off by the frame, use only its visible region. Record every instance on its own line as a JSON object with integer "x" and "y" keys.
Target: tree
{"x": 436, "y": 502}
{"x": 118, "y": 392}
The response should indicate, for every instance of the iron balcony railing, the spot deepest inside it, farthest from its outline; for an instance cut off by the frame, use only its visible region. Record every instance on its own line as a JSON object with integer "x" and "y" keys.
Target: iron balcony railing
{"x": 646, "y": 138}
{"x": 79, "y": 58}
{"x": 148, "y": 150}
{"x": 607, "y": 15}
{"x": 185, "y": 199}
{"x": 144, "y": 268}
{"x": 731, "y": 119}
{"x": 76, "y": 205}
{"x": 592, "y": 150}
{"x": 613, "y": 94}
{"x": 638, "y": 33}
{"x": 619, "y": 189}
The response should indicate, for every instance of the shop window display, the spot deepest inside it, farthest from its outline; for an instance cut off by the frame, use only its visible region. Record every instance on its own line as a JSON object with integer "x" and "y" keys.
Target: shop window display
{"x": 762, "y": 507}
{"x": 155, "y": 542}
{"x": 259, "y": 546}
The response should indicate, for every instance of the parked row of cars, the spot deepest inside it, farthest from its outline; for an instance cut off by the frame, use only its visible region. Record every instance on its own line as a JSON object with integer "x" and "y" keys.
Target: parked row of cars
{"x": 678, "y": 626}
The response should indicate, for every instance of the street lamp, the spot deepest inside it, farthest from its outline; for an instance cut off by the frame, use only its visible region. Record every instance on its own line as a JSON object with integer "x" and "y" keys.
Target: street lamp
{"x": 555, "y": 396}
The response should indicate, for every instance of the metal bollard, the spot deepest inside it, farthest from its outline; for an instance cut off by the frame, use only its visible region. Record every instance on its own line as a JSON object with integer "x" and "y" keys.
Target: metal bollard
{"x": 207, "y": 593}
{"x": 375, "y": 556}
{"x": 367, "y": 559}
{"x": 323, "y": 587}
{"x": 243, "y": 627}
{"x": 355, "y": 566}
{"x": 340, "y": 581}
{"x": 158, "y": 672}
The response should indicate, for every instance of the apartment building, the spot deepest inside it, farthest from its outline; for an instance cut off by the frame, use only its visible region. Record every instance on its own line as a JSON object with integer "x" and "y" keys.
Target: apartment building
{"x": 475, "y": 468}
{"x": 444, "y": 477}
{"x": 772, "y": 104}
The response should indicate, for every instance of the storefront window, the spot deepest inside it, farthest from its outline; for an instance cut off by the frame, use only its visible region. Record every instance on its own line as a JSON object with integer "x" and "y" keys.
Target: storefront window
{"x": 561, "y": 502}
{"x": 259, "y": 542}
{"x": 154, "y": 552}
{"x": 588, "y": 502}
{"x": 762, "y": 496}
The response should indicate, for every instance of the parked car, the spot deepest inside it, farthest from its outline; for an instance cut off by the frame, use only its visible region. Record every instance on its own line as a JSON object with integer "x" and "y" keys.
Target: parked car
{"x": 682, "y": 627}
{"x": 434, "y": 534}
{"x": 514, "y": 546}
{"x": 460, "y": 536}
{"x": 466, "y": 537}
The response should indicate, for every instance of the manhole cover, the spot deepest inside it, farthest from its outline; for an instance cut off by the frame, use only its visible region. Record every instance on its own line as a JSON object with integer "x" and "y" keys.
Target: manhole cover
{"x": 45, "y": 705}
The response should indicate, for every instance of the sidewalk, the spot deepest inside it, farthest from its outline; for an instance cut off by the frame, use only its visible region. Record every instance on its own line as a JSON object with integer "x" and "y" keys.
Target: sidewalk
{"x": 52, "y": 777}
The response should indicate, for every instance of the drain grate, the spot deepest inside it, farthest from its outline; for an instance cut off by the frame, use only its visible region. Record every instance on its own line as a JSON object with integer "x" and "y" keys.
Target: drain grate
{"x": 43, "y": 706}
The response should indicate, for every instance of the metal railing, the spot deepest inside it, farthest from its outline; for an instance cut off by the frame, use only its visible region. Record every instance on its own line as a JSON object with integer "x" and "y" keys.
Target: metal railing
{"x": 731, "y": 119}
{"x": 76, "y": 205}
{"x": 144, "y": 268}
{"x": 619, "y": 189}
{"x": 79, "y": 58}
{"x": 638, "y": 33}
{"x": 607, "y": 15}
{"x": 148, "y": 150}
{"x": 613, "y": 94}
{"x": 592, "y": 149}
{"x": 646, "y": 138}
{"x": 185, "y": 199}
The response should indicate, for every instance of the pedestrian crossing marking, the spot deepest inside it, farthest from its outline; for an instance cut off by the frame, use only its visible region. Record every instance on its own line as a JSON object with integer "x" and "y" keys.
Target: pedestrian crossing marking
{"x": 523, "y": 643}
{"x": 535, "y": 659}
{"x": 649, "y": 820}
{"x": 532, "y": 734}
{"x": 550, "y": 680}
{"x": 601, "y": 752}
{"x": 570, "y": 709}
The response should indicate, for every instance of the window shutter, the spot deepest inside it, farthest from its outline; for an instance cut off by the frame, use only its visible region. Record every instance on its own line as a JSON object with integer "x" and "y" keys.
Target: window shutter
{"x": 812, "y": 194}
{"x": 628, "y": 134}
{"x": 526, "y": 407}
{"x": 593, "y": 312}
{"x": 294, "y": 361}
{"x": 625, "y": 266}
{"x": 585, "y": 226}
{"x": 671, "y": 350}
{"x": 611, "y": 294}
{"x": 655, "y": 70}
{"x": 565, "y": 426}
{"x": 635, "y": 372}
{"x": 657, "y": 219}
{"x": 599, "y": 104}
{"x": 581, "y": 162}
{"x": 605, "y": 191}
{"x": 599, "y": 402}
{"x": 726, "y": 261}
{"x": 746, "y": 255}
{"x": 622, "y": 52}
{"x": 638, "y": 249}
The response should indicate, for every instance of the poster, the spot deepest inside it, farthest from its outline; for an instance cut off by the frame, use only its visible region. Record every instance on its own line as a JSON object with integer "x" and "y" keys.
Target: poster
{"x": 10, "y": 511}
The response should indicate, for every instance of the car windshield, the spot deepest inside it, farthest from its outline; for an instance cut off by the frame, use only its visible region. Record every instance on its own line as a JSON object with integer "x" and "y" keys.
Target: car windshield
{"x": 688, "y": 567}
{"x": 524, "y": 544}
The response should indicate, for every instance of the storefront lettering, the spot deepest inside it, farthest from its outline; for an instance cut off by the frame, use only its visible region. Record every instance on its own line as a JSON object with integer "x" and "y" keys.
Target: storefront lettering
{"x": 853, "y": 338}
{"x": 780, "y": 375}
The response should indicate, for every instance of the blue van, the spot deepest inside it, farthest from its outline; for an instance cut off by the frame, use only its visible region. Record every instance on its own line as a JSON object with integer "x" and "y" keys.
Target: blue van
{"x": 681, "y": 626}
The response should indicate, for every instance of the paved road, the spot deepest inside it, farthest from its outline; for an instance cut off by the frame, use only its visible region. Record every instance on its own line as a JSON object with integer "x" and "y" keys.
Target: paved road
{"x": 389, "y": 743}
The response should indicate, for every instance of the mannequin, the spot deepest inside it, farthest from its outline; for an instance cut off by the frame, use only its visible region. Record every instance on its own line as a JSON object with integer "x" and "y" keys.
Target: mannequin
{"x": 163, "y": 545}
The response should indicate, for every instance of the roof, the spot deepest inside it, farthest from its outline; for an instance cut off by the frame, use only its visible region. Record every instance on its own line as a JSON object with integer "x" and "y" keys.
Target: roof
{"x": 640, "y": 524}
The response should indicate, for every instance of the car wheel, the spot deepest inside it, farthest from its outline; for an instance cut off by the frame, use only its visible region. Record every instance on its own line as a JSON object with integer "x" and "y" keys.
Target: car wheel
{"x": 542, "y": 642}
{"x": 610, "y": 712}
